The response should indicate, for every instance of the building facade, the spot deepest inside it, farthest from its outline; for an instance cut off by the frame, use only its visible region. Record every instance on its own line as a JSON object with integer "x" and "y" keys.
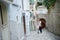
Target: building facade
{"x": 15, "y": 16}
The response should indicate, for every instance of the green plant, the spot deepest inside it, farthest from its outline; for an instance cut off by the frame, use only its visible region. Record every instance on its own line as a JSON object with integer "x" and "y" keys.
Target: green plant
{"x": 49, "y": 3}
{"x": 38, "y": 4}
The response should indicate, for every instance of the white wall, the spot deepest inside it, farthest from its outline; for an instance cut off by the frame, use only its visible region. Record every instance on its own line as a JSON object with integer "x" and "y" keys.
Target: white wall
{"x": 26, "y": 4}
{"x": 5, "y": 33}
{"x": 26, "y": 7}
{"x": 15, "y": 22}
{"x": 18, "y": 2}
{"x": 15, "y": 28}
{"x": 27, "y": 19}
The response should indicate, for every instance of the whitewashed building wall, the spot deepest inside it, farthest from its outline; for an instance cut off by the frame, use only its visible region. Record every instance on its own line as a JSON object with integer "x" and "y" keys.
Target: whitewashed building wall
{"x": 16, "y": 20}
{"x": 16, "y": 26}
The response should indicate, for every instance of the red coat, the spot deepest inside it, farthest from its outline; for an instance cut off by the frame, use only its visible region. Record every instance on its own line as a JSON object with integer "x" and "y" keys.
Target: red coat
{"x": 43, "y": 24}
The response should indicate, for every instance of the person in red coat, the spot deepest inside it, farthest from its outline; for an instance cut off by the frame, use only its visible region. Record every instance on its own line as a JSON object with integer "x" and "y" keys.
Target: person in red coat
{"x": 42, "y": 24}
{"x": 40, "y": 27}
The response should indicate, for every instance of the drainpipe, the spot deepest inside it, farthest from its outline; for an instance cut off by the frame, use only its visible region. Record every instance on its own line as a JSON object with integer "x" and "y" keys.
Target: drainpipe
{"x": 22, "y": 5}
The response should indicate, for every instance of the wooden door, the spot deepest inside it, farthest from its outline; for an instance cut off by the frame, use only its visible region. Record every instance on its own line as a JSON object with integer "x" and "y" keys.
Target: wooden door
{"x": 0, "y": 16}
{"x": 24, "y": 24}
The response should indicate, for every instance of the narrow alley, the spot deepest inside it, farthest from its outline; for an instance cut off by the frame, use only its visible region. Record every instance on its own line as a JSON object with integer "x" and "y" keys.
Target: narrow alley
{"x": 21, "y": 19}
{"x": 45, "y": 35}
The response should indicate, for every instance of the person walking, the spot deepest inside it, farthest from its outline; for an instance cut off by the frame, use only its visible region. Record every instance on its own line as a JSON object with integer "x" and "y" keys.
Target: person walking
{"x": 40, "y": 28}
{"x": 42, "y": 24}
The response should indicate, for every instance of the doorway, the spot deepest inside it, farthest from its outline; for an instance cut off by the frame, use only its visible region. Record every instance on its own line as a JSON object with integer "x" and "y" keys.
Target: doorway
{"x": 24, "y": 23}
{"x": 1, "y": 16}
{"x": 43, "y": 22}
{"x": 1, "y": 22}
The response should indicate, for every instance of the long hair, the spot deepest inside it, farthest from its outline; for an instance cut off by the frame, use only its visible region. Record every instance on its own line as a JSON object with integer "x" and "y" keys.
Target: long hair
{"x": 43, "y": 22}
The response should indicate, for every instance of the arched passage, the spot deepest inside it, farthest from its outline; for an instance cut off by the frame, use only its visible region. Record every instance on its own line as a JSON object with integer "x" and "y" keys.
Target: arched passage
{"x": 43, "y": 22}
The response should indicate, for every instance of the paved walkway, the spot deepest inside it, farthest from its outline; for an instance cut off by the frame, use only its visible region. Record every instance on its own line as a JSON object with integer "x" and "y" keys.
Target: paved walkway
{"x": 45, "y": 35}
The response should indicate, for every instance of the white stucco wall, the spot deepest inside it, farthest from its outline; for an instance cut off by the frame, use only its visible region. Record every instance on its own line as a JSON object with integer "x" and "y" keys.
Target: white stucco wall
{"x": 15, "y": 22}
{"x": 26, "y": 4}
{"x": 18, "y": 2}
{"x": 5, "y": 33}
{"x": 27, "y": 19}
{"x": 26, "y": 8}
{"x": 13, "y": 13}
{"x": 14, "y": 30}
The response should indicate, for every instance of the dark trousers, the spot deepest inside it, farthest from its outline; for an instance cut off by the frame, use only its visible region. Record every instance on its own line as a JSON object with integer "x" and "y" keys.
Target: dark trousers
{"x": 40, "y": 29}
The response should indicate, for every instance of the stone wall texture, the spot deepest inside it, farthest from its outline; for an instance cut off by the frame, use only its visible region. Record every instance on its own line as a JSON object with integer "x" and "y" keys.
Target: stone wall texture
{"x": 53, "y": 19}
